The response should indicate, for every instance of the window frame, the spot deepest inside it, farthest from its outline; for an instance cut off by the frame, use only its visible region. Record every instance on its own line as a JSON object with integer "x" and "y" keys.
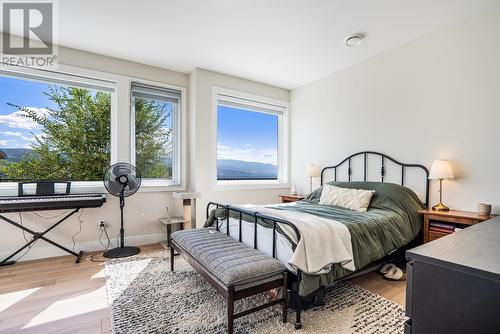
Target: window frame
{"x": 277, "y": 107}
{"x": 120, "y": 127}
{"x": 178, "y": 158}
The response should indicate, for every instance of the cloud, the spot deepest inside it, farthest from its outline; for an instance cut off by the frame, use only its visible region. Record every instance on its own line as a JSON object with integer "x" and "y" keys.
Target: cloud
{"x": 27, "y": 138}
{"x": 18, "y": 119}
{"x": 248, "y": 153}
{"x": 13, "y": 134}
{"x": 3, "y": 142}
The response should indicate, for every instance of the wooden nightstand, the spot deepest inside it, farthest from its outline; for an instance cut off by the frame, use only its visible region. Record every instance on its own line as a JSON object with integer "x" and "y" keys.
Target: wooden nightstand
{"x": 460, "y": 219}
{"x": 291, "y": 198}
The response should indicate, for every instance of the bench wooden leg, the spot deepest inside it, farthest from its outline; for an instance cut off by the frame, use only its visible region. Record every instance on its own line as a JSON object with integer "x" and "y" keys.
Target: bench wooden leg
{"x": 284, "y": 304}
{"x": 230, "y": 310}
{"x": 171, "y": 258}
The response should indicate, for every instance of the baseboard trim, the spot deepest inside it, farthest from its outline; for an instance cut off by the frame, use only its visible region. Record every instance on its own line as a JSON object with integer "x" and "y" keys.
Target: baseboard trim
{"x": 43, "y": 250}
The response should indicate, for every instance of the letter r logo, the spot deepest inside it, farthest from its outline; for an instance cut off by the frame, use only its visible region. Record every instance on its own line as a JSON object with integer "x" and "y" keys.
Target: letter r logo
{"x": 27, "y": 27}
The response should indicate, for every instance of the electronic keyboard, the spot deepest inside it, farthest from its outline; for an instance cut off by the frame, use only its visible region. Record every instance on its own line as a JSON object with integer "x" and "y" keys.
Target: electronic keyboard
{"x": 51, "y": 202}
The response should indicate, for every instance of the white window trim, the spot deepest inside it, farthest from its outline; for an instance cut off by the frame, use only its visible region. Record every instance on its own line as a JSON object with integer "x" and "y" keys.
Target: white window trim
{"x": 283, "y": 142}
{"x": 120, "y": 100}
{"x": 179, "y": 163}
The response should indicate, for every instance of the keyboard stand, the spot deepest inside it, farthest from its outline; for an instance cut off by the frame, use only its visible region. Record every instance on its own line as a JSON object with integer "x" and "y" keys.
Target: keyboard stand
{"x": 39, "y": 235}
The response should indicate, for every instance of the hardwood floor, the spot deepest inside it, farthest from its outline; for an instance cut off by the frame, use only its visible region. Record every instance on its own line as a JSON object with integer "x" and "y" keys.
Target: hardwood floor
{"x": 393, "y": 290}
{"x": 59, "y": 296}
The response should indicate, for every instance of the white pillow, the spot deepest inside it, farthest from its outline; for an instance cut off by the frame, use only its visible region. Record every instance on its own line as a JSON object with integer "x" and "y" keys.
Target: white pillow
{"x": 352, "y": 199}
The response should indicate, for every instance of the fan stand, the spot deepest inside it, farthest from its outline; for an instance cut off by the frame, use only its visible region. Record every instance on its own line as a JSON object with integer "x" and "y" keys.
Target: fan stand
{"x": 122, "y": 251}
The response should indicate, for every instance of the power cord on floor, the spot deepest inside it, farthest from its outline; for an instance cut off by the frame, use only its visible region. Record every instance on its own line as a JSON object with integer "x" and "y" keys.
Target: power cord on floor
{"x": 92, "y": 256}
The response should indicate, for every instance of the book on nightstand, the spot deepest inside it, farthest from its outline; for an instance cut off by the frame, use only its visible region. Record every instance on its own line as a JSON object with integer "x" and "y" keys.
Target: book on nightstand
{"x": 441, "y": 227}
{"x": 446, "y": 230}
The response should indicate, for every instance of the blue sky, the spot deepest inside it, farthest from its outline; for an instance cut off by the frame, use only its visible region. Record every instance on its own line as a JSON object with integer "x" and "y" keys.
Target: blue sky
{"x": 15, "y": 130}
{"x": 247, "y": 135}
{"x": 242, "y": 134}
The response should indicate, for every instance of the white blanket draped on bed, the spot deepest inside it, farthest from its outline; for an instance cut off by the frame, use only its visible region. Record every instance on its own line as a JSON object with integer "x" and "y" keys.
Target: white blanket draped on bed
{"x": 322, "y": 243}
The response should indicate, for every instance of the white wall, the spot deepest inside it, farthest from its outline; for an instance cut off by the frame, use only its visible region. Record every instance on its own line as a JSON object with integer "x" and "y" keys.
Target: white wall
{"x": 142, "y": 210}
{"x": 201, "y": 135}
{"x": 436, "y": 97}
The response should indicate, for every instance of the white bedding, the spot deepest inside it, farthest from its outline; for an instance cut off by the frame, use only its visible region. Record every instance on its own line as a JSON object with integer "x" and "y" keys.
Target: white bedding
{"x": 284, "y": 250}
{"x": 323, "y": 241}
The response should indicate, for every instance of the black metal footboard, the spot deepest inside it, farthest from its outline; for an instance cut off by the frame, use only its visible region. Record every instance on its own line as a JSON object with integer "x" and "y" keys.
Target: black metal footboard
{"x": 268, "y": 219}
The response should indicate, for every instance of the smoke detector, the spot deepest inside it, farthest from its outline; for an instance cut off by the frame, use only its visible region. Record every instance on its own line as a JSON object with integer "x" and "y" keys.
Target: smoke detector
{"x": 354, "y": 40}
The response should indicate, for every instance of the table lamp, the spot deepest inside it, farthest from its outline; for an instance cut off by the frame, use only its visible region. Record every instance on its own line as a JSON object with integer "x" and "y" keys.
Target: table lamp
{"x": 441, "y": 170}
{"x": 312, "y": 170}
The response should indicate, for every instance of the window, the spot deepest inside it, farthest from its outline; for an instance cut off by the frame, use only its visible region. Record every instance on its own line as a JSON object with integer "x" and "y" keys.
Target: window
{"x": 155, "y": 132}
{"x": 251, "y": 146}
{"x": 54, "y": 127}
{"x": 61, "y": 126}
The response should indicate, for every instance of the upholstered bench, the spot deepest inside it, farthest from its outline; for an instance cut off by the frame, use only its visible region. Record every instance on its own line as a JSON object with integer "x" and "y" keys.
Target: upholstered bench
{"x": 234, "y": 269}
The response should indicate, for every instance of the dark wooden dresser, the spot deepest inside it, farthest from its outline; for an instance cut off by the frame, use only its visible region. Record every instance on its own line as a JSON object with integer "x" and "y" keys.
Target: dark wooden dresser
{"x": 453, "y": 283}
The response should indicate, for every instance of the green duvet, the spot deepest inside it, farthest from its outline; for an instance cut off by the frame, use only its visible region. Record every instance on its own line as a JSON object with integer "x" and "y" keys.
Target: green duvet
{"x": 391, "y": 222}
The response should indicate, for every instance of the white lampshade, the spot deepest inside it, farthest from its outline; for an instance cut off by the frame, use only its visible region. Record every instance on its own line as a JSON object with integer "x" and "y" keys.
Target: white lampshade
{"x": 312, "y": 170}
{"x": 441, "y": 169}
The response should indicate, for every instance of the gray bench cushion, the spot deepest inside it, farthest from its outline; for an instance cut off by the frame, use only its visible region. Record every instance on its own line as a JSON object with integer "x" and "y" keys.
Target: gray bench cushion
{"x": 232, "y": 262}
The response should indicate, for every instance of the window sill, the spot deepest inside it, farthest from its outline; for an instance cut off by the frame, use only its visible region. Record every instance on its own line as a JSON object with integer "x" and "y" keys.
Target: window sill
{"x": 249, "y": 185}
{"x": 149, "y": 186}
{"x": 79, "y": 187}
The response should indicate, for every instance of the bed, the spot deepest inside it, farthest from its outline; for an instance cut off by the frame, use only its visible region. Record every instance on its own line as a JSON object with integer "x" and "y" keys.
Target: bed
{"x": 390, "y": 223}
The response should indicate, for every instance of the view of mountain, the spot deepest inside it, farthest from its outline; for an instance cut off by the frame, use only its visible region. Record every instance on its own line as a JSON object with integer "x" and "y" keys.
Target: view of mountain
{"x": 226, "y": 169}
{"x": 15, "y": 154}
{"x": 242, "y": 170}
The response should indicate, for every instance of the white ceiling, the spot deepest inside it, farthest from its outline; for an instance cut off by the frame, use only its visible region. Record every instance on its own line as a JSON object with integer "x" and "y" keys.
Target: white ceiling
{"x": 286, "y": 43}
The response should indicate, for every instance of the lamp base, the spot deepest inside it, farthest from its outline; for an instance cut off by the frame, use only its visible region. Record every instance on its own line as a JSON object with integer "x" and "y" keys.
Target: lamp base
{"x": 440, "y": 207}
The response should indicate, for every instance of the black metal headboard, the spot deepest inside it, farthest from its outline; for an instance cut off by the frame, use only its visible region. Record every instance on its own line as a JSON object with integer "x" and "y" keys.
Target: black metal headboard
{"x": 383, "y": 170}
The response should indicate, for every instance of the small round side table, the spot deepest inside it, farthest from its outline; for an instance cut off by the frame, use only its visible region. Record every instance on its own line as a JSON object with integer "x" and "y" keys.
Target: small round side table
{"x": 167, "y": 223}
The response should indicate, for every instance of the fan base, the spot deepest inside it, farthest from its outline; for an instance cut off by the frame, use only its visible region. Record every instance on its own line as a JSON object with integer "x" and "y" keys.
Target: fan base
{"x": 121, "y": 252}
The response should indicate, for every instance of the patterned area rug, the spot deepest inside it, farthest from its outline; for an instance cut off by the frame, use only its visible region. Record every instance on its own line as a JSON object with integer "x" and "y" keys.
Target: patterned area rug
{"x": 145, "y": 297}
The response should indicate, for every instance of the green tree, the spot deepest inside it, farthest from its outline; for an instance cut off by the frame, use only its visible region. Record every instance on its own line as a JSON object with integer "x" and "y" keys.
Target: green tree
{"x": 153, "y": 140}
{"x": 75, "y": 139}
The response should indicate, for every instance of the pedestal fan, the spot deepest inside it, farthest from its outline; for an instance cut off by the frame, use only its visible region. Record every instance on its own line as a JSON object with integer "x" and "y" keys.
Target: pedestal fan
{"x": 122, "y": 180}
